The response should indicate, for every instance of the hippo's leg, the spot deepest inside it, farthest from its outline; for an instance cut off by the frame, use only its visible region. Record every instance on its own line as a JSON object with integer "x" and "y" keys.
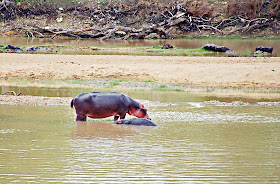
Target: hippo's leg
{"x": 116, "y": 118}
{"x": 81, "y": 118}
{"x": 122, "y": 117}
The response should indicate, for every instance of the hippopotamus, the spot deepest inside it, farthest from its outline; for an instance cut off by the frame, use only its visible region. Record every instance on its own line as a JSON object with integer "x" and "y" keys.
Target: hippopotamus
{"x": 106, "y": 104}
{"x": 138, "y": 122}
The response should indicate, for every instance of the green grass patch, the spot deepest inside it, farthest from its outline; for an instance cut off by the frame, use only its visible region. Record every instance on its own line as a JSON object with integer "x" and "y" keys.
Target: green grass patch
{"x": 149, "y": 80}
{"x": 164, "y": 87}
{"x": 168, "y": 89}
{"x": 201, "y": 49}
{"x": 240, "y": 102}
{"x": 247, "y": 52}
{"x": 178, "y": 90}
{"x": 117, "y": 82}
{"x": 156, "y": 47}
{"x": 208, "y": 90}
{"x": 76, "y": 81}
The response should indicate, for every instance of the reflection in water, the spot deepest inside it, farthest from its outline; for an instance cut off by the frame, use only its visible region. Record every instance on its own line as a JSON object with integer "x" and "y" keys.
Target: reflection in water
{"x": 193, "y": 143}
{"x": 107, "y": 130}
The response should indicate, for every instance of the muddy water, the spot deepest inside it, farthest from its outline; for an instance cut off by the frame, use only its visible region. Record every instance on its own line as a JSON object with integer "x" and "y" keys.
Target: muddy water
{"x": 194, "y": 143}
{"x": 243, "y": 46}
{"x": 156, "y": 95}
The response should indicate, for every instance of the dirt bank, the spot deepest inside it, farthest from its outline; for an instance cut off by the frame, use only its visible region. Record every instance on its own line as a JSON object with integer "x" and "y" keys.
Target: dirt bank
{"x": 139, "y": 19}
{"x": 193, "y": 71}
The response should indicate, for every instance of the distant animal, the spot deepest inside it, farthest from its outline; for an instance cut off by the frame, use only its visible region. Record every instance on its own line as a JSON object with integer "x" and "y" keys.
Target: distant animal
{"x": 106, "y": 104}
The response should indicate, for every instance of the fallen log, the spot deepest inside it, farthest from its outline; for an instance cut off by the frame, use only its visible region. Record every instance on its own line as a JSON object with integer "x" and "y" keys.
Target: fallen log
{"x": 11, "y": 92}
{"x": 5, "y": 4}
{"x": 172, "y": 20}
{"x": 210, "y": 27}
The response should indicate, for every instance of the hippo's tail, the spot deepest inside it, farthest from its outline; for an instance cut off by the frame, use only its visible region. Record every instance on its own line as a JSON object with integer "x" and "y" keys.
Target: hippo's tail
{"x": 72, "y": 103}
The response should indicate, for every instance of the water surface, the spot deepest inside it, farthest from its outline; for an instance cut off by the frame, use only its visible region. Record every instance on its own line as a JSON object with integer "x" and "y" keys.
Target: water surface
{"x": 194, "y": 143}
{"x": 243, "y": 46}
{"x": 172, "y": 94}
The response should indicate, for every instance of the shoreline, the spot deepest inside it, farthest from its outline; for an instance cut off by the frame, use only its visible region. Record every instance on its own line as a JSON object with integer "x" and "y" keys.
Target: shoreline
{"x": 223, "y": 77}
{"x": 250, "y": 72}
{"x": 65, "y": 101}
{"x": 31, "y": 87}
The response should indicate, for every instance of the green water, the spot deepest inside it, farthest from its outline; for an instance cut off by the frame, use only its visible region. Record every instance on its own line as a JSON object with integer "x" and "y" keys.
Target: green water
{"x": 193, "y": 143}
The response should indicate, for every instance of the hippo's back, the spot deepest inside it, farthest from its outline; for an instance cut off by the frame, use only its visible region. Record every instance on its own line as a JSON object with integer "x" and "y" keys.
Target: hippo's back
{"x": 99, "y": 104}
{"x": 101, "y": 97}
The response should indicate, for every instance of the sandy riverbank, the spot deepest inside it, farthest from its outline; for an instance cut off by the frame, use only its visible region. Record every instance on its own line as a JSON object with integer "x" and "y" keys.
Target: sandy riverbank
{"x": 194, "y": 71}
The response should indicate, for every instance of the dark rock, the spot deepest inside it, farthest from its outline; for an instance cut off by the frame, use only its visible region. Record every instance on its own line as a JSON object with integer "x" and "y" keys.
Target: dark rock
{"x": 13, "y": 48}
{"x": 221, "y": 49}
{"x": 215, "y": 48}
{"x": 33, "y": 49}
{"x": 167, "y": 46}
{"x": 211, "y": 47}
{"x": 265, "y": 49}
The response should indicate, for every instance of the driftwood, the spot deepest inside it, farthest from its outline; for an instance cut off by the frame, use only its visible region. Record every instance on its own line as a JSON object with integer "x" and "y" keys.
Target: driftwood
{"x": 11, "y": 92}
{"x": 128, "y": 19}
{"x": 180, "y": 21}
{"x": 251, "y": 25}
{"x": 5, "y": 4}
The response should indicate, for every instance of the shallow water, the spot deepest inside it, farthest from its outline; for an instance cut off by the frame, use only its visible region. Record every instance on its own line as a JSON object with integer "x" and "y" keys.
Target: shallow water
{"x": 193, "y": 143}
{"x": 243, "y": 46}
{"x": 156, "y": 94}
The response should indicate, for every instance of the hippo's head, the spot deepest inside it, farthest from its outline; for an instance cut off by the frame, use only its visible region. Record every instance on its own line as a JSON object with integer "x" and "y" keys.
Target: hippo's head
{"x": 139, "y": 112}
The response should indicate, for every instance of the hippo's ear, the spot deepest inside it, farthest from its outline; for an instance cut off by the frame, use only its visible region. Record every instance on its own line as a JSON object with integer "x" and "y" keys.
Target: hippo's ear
{"x": 141, "y": 106}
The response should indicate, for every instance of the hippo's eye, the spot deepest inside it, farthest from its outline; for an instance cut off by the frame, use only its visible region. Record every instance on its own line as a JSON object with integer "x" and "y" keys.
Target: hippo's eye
{"x": 143, "y": 111}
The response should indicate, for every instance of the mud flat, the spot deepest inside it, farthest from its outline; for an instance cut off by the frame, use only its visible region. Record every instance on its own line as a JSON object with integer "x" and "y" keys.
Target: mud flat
{"x": 251, "y": 72}
{"x": 34, "y": 100}
{"x": 45, "y": 101}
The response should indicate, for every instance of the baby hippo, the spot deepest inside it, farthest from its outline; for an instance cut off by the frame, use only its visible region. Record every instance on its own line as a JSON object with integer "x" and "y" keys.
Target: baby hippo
{"x": 138, "y": 122}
